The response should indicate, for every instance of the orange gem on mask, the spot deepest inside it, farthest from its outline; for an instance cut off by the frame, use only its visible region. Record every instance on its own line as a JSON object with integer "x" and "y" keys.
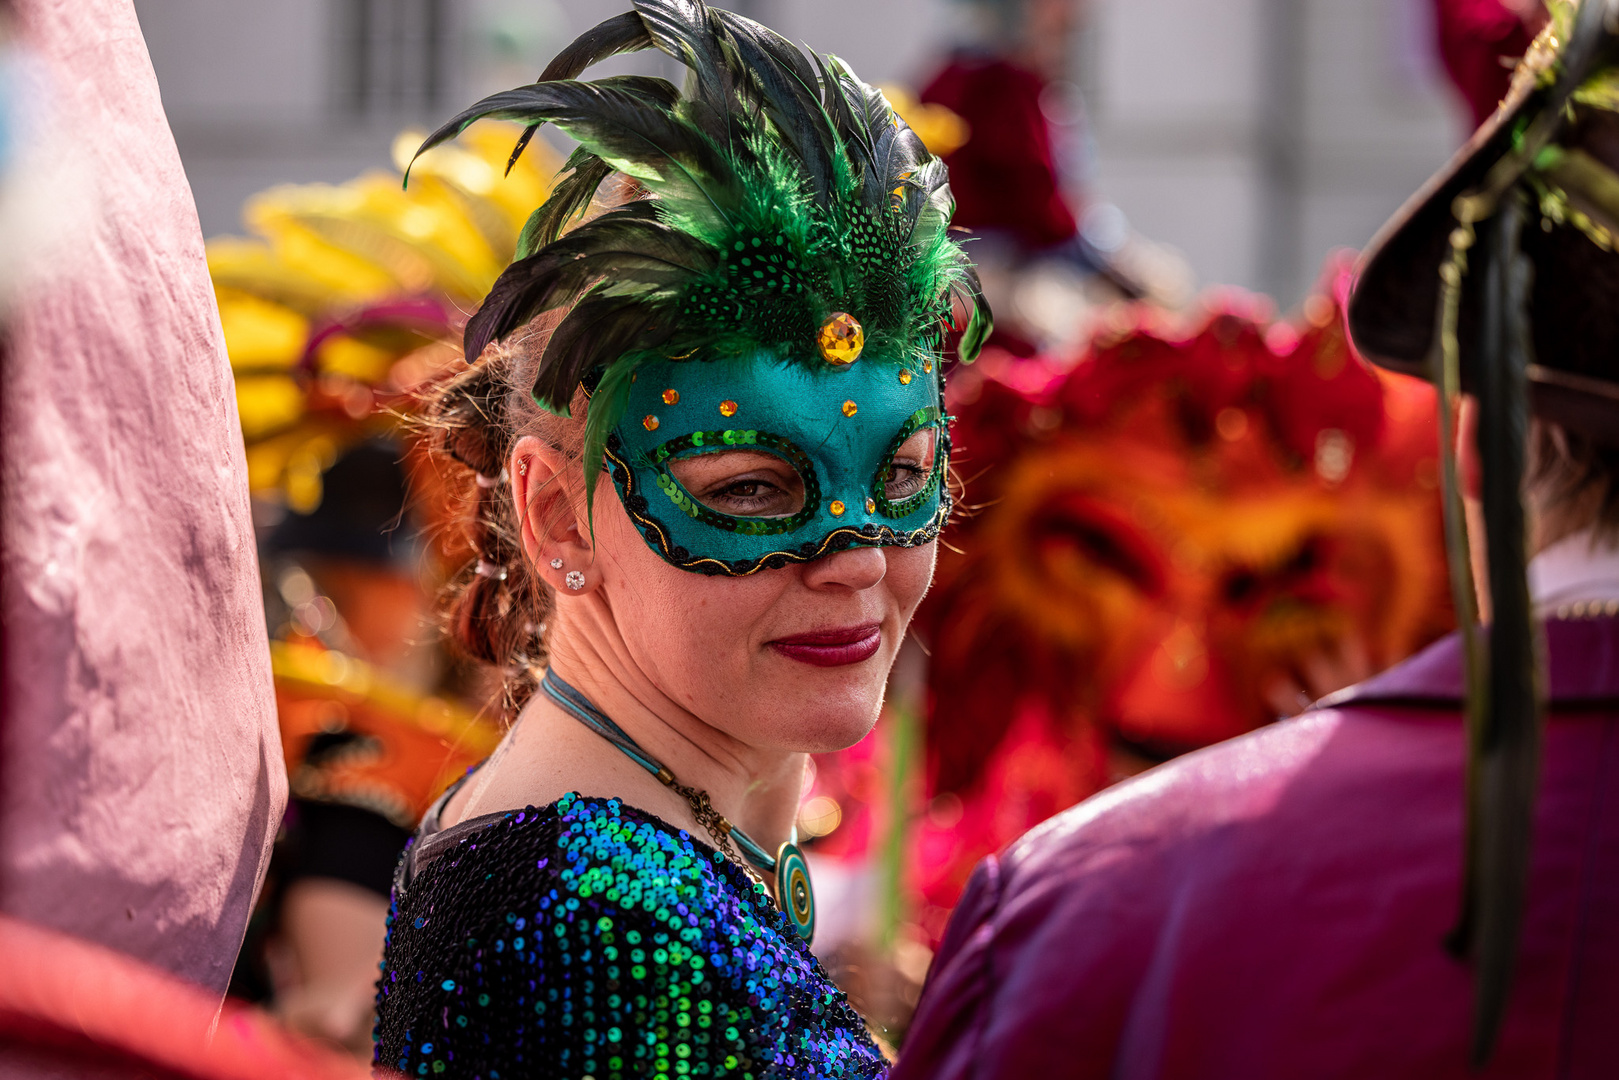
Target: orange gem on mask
{"x": 841, "y": 339}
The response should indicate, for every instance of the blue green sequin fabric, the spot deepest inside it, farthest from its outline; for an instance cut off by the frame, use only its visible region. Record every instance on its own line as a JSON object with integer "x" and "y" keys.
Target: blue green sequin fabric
{"x": 591, "y": 939}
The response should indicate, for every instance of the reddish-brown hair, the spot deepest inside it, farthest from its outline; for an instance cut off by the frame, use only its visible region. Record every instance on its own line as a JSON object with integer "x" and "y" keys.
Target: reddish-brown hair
{"x": 495, "y": 608}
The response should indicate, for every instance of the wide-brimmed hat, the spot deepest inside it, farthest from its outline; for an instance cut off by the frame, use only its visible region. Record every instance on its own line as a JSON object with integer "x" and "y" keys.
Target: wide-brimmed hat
{"x": 1564, "y": 98}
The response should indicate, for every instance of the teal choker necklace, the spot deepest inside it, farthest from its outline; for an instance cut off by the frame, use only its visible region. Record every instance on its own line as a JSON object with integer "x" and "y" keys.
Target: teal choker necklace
{"x": 794, "y": 895}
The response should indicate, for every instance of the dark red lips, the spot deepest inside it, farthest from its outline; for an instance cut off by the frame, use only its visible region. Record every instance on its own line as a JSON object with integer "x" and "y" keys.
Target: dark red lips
{"x": 833, "y": 648}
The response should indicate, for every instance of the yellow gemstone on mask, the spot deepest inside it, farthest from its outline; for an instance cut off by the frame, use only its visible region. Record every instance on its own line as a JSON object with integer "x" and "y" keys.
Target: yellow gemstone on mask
{"x": 905, "y": 376}
{"x": 837, "y": 508}
{"x": 727, "y": 408}
{"x": 871, "y": 505}
{"x": 850, "y": 408}
{"x": 671, "y": 397}
{"x": 650, "y": 422}
{"x": 841, "y": 339}
{"x": 927, "y": 365}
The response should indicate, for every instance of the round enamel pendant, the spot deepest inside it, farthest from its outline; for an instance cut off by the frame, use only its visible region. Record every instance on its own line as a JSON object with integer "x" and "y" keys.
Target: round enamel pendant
{"x": 794, "y": 892}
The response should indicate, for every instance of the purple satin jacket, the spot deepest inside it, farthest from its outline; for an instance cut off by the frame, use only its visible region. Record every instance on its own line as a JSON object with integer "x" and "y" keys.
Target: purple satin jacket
{"x": 1274, "y": 906}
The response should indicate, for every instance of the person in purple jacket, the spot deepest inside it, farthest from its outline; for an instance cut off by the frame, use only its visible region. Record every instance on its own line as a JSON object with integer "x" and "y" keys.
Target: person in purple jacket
{"x": 1420, "y": 877}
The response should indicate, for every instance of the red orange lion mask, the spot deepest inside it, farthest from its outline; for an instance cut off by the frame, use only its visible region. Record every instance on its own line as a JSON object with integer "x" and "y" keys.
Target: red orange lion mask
{"x": 1160, "y": 537}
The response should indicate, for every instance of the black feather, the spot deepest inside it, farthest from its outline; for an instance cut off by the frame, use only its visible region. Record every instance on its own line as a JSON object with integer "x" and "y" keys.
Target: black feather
{"x": 598, "y": 331}
{"x": 836, "y": 105}
{"x": 584, "y": 175}
{"x": 522, "y": 144}
{"x": 638, "y": 252}
{"x": 782, "y": 52}
{"x": 628, "y": 98}
{"x": 620, "y": 34}
{"x": 627, "y": 120}
{"x": 936, "y": 206}
{"x": 688, "y": 31}
{"x": 1506, "y": 747}
{"x": 788, "y": 84}
{"x": 894, "y": 153}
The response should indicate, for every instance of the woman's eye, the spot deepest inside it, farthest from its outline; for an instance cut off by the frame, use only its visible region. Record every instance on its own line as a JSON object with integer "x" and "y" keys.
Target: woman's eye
{"x": 746, "y": 491}
{"x": 750, "y": 497}
{"x": 904, "y": 480}
{"x": 911, "y": 468}
{"x": 741, "y": 483}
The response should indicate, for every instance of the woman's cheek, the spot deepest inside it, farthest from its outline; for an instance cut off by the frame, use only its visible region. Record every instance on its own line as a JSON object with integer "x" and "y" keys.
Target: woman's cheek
{"x": 699, "y": 628}
{"x": 910, "y": 572}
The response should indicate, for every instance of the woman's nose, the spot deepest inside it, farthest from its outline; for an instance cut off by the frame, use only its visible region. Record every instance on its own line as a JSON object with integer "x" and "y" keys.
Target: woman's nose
{"x": 855, "y": 568}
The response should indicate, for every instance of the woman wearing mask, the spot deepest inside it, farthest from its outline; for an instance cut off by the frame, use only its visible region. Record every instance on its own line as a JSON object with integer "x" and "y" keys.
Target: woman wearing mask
{"x": 742, "y": 342}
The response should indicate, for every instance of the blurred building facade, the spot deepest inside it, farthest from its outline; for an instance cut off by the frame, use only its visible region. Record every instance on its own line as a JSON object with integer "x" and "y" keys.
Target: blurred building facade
{"x": 1252, "y": 135}
{"x": 1257, "y": 135}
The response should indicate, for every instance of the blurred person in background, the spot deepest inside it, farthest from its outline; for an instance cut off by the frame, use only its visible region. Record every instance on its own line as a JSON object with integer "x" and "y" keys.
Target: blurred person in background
{"x": 1479, "y": 42}
{"x": 1013, "y": 177}
{"x": 1198, "y": 525}
{"x": 1021, "y": 177}
{"x": 367, "y": 743}
{"x": 1421, "y": 877}
{"x": 335, "y": 313}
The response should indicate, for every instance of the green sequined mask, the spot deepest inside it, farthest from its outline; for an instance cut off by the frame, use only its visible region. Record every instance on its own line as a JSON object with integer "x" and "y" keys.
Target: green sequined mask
{"x": 793, "y": 231}
{"x": 846, "y": 432}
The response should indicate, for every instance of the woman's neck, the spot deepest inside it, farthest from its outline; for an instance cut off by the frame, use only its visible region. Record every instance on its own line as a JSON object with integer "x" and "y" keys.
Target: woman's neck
{"x": 550, "y": 752}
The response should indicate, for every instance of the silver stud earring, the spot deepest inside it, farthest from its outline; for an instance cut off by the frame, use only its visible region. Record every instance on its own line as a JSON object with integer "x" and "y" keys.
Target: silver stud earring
{"x": 575, "y": 580}
{"x": 556, "y": 564}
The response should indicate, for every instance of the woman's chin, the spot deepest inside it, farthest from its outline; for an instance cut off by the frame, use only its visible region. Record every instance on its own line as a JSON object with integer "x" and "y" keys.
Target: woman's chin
{"x": 824, "y": 718}
{"x": 823, "y": 734}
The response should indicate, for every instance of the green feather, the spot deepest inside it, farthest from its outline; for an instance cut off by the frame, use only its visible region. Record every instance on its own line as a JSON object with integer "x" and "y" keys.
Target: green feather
{"x": 781, "y": 189}
{"x": 607, "y": 407}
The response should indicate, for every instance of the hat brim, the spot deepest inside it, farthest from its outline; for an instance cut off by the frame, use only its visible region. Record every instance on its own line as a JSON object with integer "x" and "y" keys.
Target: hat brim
{"x": 1393, "y": 309}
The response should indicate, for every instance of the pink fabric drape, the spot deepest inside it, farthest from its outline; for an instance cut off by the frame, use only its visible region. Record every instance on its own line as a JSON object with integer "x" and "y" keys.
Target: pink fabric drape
{"x": 142, "y": 781}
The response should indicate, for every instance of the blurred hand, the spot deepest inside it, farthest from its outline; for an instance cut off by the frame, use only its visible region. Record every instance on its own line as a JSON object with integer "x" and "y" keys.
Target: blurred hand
{"x": 1336, "y": 665}
{"x": 1532, "y": 13}
{"x": 335, "y": 931}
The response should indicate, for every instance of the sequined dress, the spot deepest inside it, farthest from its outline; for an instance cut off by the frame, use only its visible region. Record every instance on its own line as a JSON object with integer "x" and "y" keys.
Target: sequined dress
{"x": 591, "y": 939}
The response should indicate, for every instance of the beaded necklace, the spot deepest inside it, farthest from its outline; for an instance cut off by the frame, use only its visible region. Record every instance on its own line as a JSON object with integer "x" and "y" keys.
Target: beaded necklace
{"x": 794, "y": 894}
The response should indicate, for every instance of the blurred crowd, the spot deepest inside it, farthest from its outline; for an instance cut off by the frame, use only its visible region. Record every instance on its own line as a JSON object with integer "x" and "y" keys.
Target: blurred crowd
{"x": 1180, "y": 517}
{"x": 1183, "y": 517}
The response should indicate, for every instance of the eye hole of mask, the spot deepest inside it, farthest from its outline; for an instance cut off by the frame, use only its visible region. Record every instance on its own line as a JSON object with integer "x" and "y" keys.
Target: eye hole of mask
{"x": 912, "y": 466}
{"x": 741, "y": 483}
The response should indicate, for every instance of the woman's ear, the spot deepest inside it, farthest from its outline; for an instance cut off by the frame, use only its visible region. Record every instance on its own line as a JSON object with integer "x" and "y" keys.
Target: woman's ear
{"x": 550, "y": 528}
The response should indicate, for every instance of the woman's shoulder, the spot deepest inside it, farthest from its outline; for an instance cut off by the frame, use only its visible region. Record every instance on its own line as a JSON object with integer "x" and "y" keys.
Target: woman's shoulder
{"x": 565, "y": 935}
{"x": 545, "y": 865}
{"x": 593, "y": 847}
